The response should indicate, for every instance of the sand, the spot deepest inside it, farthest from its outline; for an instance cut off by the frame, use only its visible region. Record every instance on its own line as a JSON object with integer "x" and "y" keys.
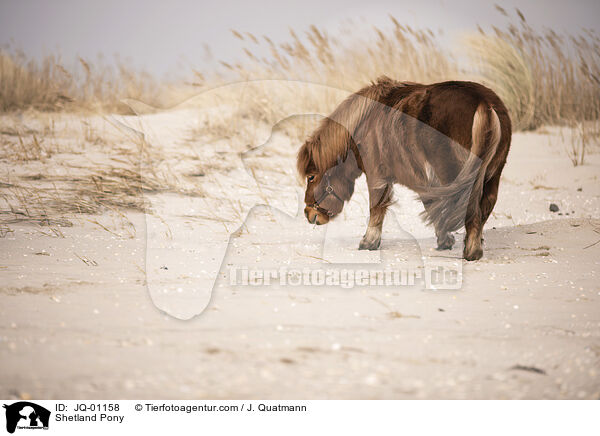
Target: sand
{"x": 121, "y": 304}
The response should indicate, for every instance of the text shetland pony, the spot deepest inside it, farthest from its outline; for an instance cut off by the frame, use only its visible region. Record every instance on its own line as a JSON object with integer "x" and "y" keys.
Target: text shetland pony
{"x": 447, "y": 141}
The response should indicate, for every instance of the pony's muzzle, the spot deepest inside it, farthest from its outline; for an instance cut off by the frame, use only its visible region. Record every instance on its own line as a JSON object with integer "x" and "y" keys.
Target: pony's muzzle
{"x": 314, "y": 216}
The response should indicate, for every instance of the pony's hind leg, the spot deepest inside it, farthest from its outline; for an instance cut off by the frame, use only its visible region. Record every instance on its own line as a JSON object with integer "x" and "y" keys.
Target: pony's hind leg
{"x": 474, "y": 230}
{"x": 379, "y": 200}
{"x": 445, "y": 239}
{"x": 474, "y": 227}
{"x": 490, "y": 195}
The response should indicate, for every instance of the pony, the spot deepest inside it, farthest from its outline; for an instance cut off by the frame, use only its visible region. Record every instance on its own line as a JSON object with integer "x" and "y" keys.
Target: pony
{"x": 448, "y": 142}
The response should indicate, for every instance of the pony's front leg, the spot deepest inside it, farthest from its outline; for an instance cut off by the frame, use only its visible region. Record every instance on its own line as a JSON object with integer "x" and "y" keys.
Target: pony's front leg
{"x": 379, "y": 200}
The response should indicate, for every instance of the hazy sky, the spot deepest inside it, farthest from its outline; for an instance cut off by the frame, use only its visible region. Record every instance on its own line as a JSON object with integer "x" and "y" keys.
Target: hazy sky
{"x": 161, "y": 36}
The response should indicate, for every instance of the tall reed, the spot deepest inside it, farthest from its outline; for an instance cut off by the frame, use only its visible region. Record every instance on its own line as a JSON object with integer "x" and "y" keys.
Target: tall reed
{"x": 544, "y": 77}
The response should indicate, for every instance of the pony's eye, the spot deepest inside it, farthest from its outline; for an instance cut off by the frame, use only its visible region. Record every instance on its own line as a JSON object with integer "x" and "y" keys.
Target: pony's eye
{"x": 311, "y": 178}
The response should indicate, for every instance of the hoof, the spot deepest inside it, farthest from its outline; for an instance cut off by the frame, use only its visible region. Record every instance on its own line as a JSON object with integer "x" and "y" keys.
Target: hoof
{"x": 369, "y": 245}
{"x": 474, "y": 254}
{"x": 446, "y": 243}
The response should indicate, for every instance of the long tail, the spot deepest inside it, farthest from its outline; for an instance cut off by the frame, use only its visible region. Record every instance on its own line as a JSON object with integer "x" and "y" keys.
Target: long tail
{"x": 448, "y": 207}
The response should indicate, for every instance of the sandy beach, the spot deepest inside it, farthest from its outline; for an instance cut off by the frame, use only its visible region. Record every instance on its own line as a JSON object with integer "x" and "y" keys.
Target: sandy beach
{"x": 117, "y": 303}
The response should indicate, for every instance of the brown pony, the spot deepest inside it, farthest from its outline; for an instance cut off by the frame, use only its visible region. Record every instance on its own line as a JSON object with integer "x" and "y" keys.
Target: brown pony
{"x": 448, "y": 142}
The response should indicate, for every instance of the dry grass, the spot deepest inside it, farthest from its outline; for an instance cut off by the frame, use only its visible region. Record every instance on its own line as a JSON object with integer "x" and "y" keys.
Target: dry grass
{"x": 322, "y": 70}
{"x": 52, "y": 192}
{"x": 98, "y": 86}
{"x": 53, "y": 200}
{"x": 586, "y": 137}
{"x": 544, "y": 77}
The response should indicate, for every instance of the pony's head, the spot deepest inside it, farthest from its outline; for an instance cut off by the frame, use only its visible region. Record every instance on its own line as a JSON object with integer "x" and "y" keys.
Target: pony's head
{"x": 330, "y": 174}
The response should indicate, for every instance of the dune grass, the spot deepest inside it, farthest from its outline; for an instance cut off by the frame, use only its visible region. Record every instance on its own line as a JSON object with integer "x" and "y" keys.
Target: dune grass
{"x": 99, "y": 86}
{"x": 544, "y": 78}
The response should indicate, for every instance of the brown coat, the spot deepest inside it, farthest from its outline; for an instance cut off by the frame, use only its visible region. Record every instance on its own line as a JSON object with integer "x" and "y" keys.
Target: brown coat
{"x": 446, "y": 141}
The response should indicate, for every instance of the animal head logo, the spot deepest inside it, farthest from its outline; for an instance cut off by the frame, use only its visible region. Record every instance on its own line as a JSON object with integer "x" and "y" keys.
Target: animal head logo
{"x": 192, "y": 241}
{"x": 26, "y": 415}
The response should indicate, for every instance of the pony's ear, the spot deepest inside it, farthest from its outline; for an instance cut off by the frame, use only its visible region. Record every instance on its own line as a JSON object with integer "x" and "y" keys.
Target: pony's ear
{"x": 304, "y": 159}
